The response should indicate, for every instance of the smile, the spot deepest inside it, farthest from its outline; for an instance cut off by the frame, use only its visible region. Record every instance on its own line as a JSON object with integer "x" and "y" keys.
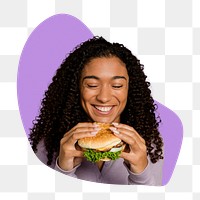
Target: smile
{"x": 104, "y": 108}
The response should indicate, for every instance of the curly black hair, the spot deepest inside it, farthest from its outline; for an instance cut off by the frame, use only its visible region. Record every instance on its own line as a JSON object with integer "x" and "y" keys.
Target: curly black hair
{"x": 61, "y": 109}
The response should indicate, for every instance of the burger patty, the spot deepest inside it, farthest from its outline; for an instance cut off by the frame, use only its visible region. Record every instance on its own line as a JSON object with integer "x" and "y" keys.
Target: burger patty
{"x": 116, "y": 146}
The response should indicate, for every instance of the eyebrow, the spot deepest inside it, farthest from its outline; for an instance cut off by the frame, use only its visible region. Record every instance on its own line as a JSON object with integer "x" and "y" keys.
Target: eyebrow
{"x": 119, "y": 77}
{"x": 91, "y": 77}
{"x": 97, "y": 78}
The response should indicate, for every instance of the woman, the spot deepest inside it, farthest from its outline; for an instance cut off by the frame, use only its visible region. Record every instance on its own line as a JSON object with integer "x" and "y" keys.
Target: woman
{"x": 100, "y": 82}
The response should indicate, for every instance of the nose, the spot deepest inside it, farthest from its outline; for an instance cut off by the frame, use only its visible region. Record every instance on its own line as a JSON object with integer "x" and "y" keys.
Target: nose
{"x": 104, "y": 95}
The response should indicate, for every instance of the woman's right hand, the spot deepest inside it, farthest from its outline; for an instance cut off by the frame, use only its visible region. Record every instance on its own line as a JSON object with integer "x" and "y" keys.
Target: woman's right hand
{"x": 70, "y": 154}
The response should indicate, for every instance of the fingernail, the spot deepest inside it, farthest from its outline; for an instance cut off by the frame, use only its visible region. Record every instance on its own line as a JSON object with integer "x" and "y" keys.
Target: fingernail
{"x": 94, "y": 132}
{"x": 115, "y": 123}
{"x": 95, "y": 124}
{"x": 97, "y": 128}
{"x": 116, "y": 132}
{"x": 112, "y": 128}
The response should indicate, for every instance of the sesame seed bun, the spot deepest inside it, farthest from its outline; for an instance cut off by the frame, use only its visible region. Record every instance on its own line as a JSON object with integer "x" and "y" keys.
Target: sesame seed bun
{"x": 103, "y": 141}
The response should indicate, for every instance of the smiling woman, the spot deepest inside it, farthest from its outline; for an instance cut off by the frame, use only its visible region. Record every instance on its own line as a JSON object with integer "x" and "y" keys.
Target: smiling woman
{"x": 100, "y": 84}
{"x": 104, "y": 89}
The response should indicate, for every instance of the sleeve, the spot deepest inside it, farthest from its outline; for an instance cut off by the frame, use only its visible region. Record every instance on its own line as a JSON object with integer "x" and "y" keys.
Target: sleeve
{"x": 42, "y": 156}
{"x": 152, "y": 175}
{"x": 69, "y": 173}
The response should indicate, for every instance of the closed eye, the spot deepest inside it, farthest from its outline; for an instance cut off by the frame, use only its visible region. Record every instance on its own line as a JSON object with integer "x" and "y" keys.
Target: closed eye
{"x": 117, "y": 86}
{"x": 92, "y": 86}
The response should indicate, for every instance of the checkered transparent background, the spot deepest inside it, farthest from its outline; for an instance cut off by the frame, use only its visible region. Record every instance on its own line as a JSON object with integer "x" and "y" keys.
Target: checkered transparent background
{"x": 165, "y": 36}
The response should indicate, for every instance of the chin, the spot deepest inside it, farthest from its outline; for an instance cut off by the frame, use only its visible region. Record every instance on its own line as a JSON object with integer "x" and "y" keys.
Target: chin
{"x": 105, "y": 121}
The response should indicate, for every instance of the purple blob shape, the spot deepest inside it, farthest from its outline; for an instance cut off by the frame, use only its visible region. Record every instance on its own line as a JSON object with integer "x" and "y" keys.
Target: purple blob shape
{"x": 171, "y": 130}
{"x": 43, "y": 53}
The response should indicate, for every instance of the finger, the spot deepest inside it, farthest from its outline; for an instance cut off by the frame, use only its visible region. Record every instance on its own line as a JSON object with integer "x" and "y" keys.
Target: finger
{"x": 127, "y": 156}
{"x": 71, "y": 138}
{"x": 82, "y": 125}
{"x": 133, "y": 139}
{"x": 131, "y": 129}
{"x": 123, "y": 126}
{"x": 79, "y": 134}
{"x": 79, "y": 130}
{"x": 78, "y": 154}
{"x": 128, "y": 132}
{"x": 130, "y": 140}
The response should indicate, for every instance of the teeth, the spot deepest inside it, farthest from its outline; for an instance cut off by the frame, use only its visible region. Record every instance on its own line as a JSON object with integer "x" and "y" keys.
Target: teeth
{"x": 103, "y": 109}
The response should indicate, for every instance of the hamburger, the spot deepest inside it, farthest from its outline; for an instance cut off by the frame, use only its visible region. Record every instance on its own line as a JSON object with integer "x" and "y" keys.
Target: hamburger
{"x": 104, "y": 146}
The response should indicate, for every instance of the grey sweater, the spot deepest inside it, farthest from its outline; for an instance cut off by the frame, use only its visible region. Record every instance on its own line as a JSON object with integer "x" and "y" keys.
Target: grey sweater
{"x": 113, "y": 172}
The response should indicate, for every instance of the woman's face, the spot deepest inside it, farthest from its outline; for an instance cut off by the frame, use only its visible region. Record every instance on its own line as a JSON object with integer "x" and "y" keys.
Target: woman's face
{"x": 104, "y": 89}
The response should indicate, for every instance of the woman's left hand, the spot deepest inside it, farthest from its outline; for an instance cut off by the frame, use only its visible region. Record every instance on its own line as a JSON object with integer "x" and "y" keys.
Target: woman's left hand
{"x": 136, "y": 155}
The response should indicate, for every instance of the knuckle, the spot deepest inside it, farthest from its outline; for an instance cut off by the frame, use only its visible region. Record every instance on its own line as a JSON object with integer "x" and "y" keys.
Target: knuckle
{"x": 144, "y": 148}
{"x": 78, "y": 124}
{"x": 62, "y": 141}
{"x": 74, "y": 136}
{"x": 132, "y": 142}
{"x": 65, "y": 150}
{"x": 137, "y": 159}
{"x": 77, "y": 129}
{"x": 144, "y": 141}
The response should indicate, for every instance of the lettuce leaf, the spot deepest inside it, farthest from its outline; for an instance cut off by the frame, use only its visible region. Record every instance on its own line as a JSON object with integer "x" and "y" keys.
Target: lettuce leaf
{"x": 96, "y": 156}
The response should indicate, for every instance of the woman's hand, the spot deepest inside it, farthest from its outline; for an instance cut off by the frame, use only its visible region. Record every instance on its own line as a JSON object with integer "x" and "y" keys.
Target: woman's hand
{"x": 136, "y": 155}
{"x": 70, "y": 154}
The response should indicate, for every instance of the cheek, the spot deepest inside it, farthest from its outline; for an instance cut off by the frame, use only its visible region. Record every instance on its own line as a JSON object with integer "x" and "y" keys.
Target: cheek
{"x": 124, "y": 101}
{"x": 122, "y": 96}
{"x": 83, "y": 101}
{"x": 86, "y": 95}
{"x": 83, "y": 98}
